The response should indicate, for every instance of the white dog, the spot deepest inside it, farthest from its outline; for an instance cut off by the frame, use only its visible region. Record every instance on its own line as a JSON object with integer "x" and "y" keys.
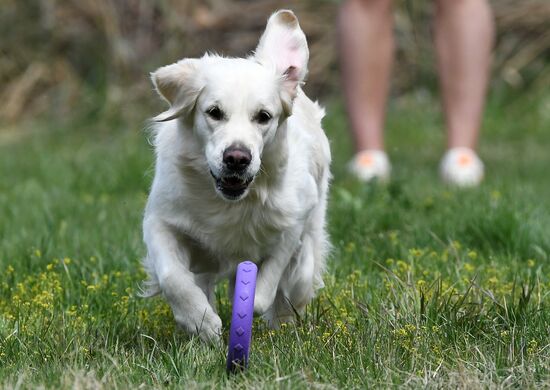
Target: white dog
{"x": 242, "y": 173}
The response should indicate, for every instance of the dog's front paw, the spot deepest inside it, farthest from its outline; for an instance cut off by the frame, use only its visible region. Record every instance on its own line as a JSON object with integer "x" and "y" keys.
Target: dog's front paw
{"x": 206, "y": 324}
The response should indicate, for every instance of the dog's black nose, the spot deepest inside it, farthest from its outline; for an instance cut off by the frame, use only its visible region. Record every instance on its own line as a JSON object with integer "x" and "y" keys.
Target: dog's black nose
{"x": 237, "y": 158}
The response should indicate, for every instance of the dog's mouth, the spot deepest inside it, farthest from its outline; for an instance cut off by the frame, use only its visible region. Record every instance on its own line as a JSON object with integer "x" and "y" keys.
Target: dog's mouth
{"x": 232, "y": 186}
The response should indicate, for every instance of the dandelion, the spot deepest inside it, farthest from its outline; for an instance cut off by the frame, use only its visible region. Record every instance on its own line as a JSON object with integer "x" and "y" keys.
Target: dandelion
{"x": 492, "y": 281}
{"x": 456, "y": 245}
{"x": 354, "y": 276}
{"x": 410, "y": 328}
{"x": 402, "y": 266}
{"x": 428, "y": 202}
{"x": 350, "y": 247}
{"x": 415, "y": 252}
{"x": 495, "y": 195}
{"x": 402, "y": 332}
{"x": 71, "y": 311}
{"x": 532, "y": 347}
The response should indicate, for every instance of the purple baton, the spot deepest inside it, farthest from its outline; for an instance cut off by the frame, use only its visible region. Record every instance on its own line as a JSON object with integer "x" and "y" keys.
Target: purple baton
{"x": 240, "y": 333}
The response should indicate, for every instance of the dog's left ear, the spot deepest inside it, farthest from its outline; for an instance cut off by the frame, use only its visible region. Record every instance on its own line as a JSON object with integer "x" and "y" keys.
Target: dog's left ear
{"x": 284, "y": 45}
{"x": 178, "y": 84}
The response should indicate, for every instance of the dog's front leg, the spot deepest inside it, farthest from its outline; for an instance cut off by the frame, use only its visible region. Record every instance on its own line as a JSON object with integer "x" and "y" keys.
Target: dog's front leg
{"x": 170, "y": 260}
{"x": 270, "y": 273}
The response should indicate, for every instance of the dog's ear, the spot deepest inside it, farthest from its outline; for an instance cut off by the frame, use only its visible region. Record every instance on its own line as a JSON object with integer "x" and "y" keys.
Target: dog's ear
{"x": 179, "y": 85}
{"x": 284, "y": 45}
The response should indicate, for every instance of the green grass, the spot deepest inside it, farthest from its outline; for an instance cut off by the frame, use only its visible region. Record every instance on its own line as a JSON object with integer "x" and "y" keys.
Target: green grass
{"x": 427, "y": 286}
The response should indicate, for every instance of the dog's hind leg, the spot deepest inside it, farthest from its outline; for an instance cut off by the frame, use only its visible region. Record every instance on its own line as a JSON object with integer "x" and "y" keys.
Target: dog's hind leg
{"x": 298, "y": 284}
{"x": 271, "y": 271}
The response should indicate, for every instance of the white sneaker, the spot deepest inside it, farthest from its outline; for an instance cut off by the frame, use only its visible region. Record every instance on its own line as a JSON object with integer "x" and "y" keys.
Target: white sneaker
{"x": 371, "y": 164}
{"x": 461, "y": 167}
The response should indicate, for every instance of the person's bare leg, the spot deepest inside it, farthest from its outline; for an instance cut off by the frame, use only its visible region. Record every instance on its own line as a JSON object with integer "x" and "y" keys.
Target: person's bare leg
{"x": 464, "y": 37}
{"x": 366, "y": 53}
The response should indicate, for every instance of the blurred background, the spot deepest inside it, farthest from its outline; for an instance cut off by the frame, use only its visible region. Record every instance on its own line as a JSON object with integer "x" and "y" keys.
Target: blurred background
{"x": 76, "y": 168}
{"x": 91, "y": 58}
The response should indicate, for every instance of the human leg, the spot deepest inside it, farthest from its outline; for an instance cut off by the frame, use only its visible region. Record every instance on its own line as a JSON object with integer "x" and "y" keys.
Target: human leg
{"x": 366, "y": 52}
{"x": 464, "y": 36}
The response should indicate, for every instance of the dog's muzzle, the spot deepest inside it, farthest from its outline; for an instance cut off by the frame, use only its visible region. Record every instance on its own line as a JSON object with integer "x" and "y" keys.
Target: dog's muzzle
{"x": 232, "y": 186}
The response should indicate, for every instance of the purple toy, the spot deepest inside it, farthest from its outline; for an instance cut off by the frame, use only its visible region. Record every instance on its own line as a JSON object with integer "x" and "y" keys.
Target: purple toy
{"x": 240, "y": 333}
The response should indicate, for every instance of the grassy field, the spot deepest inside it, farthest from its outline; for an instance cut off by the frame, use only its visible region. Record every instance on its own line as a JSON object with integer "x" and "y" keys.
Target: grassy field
{"x": 427, "y": 286}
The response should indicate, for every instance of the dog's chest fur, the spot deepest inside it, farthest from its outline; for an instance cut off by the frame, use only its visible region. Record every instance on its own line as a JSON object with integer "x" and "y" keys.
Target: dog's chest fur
{"x": 248, "y": 229}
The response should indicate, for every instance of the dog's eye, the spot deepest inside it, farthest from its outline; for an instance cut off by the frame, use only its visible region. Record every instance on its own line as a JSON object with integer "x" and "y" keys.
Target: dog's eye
{"x": 215, "y": 113}
{"x": 262, "y": 117}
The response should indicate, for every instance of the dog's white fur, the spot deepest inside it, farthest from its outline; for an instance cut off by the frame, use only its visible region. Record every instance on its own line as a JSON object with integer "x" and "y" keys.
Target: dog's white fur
{"x": 194, "y": 234}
